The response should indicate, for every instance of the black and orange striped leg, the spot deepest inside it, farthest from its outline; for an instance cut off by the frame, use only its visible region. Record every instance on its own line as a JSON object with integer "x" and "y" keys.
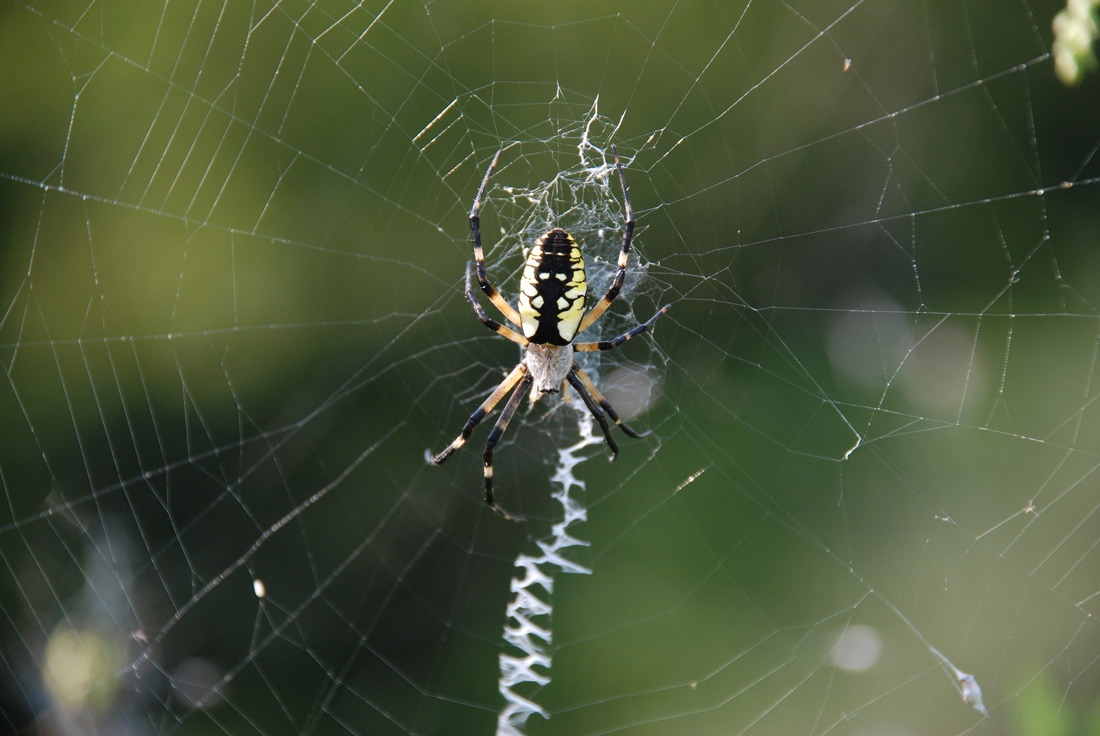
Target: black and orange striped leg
{"x": 617, "y": 341}
{"x": 494, "y": 437}
{"x": 479, "y": 255}
{"x": 593, "y": 409}
{"x": 624, "y": 255}
{"x": 605, "y": 404}
{"x": 492, "y": 324}
{"x": 519, "y": 372}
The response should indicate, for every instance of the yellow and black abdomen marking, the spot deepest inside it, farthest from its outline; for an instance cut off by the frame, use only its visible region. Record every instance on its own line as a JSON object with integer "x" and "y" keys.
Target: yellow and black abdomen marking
{"x": 552, "y": 290}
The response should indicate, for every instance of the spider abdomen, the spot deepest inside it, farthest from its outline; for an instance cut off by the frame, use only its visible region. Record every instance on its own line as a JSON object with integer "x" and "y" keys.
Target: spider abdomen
{"x": 552, "y": 290}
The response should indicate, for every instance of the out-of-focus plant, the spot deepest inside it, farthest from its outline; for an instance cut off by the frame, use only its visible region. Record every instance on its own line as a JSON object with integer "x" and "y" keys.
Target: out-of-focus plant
{"x": 1075, "y": 30}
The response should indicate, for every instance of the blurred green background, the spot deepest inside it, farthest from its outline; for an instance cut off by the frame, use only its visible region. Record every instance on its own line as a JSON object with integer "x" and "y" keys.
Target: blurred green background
{"x": 232, "y": 243}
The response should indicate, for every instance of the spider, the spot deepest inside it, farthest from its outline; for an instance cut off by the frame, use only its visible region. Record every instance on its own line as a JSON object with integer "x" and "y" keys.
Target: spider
{"x": 550, "y": 315}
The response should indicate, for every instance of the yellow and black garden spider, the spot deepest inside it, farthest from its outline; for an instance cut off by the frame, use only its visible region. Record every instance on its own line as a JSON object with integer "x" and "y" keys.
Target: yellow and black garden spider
{"x": 551, "y": 314}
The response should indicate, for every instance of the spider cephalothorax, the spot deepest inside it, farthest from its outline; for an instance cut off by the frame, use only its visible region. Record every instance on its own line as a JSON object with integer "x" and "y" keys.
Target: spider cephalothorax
{"x": 551, "y": 314}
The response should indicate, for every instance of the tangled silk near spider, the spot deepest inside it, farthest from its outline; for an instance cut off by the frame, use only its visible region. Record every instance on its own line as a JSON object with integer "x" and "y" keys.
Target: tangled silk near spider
{"x": 550, "y": 315}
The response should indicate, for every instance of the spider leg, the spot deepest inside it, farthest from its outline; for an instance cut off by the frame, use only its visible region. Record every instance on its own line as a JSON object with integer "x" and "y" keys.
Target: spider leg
{"x": 486, "y": 406}
{"x": 617, "y": 341}
{"x": 594, "y": 409}
{"x": 492, "y": 324}
{"x": 494, "y": 436}
{"x": 479, "y": 255}
{"x": 624, "y": 254}
{"x": 605, "y": 404}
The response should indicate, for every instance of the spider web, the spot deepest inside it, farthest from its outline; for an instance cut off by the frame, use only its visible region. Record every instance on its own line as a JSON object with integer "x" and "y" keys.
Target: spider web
{"x": 234, "y": 240}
